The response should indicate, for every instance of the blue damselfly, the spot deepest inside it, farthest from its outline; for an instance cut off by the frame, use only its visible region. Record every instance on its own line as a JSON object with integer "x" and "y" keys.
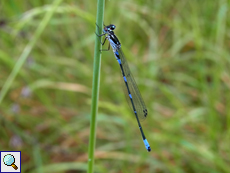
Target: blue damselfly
{"x": 133, "y": 92}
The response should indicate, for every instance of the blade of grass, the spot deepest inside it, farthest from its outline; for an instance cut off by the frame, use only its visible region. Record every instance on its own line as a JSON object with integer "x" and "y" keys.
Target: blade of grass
{"x": 95, "y": 88}
{"x": 28, "y": 49}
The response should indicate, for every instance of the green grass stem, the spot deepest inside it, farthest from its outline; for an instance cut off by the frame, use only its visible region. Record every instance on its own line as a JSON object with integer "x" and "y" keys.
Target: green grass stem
{"x": 95, "y": 88}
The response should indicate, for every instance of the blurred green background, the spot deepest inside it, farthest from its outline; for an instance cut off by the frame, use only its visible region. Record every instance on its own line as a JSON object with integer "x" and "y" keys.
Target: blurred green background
{"x": 178, "y": 52}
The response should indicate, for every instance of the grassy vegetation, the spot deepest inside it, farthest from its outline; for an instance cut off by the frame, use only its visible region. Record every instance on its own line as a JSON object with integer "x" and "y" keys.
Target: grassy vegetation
{"x": 178, "y": 52}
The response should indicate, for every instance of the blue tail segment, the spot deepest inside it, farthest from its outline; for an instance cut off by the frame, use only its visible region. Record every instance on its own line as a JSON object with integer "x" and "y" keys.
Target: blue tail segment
{"x": 119, "y": 61}
{"x": 147, "y": 146}
{"x": 124, "y": 78}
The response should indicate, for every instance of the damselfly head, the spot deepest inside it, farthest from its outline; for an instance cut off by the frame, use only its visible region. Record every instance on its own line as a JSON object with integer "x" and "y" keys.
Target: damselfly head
{"x": 109, "y": 28}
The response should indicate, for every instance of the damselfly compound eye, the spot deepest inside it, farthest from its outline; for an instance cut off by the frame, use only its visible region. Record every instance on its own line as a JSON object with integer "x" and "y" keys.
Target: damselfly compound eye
{"x": 113, "y": 27}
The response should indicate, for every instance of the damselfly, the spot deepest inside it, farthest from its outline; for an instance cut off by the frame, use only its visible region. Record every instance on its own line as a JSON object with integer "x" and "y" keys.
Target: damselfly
{"x": 135, "y": 98}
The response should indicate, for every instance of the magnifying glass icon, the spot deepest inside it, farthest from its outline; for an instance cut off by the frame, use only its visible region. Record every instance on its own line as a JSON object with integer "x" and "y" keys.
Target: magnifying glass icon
{"x": 9, "y": 160}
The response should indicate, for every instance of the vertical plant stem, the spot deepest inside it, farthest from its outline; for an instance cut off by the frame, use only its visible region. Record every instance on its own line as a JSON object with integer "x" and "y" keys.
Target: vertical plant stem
{"x": 28, "y": 49}
{"x": 95, "y": 88}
